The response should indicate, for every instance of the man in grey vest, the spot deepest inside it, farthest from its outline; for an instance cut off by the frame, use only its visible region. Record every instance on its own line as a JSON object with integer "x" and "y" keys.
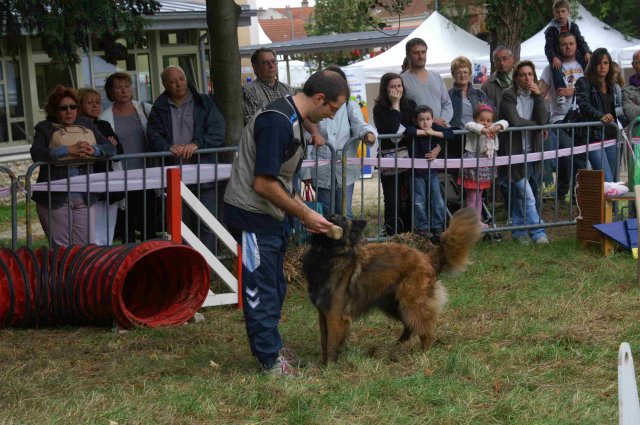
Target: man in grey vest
{"x": 259, "y": 194}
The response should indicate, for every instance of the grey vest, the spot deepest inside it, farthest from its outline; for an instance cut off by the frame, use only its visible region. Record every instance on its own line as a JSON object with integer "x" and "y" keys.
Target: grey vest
{"x": 240, "y": 191}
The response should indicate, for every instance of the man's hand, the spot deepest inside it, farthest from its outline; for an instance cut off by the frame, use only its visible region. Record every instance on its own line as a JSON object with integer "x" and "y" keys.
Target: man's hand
{"x": 314, "y": 222}
{"x": 556, "y": 64}
{"x": 441, "y": 122}
{"x": 317, "y": 139}
{"x": 566, "y": 91}
{"x": 183, "y": 151}
{"x": 188, "y": 150}
{"x": 587, "y": 57}
{"x": 312, "y": 129}
{"x": 176, "y": 150}
{"x": 369, "y": 138}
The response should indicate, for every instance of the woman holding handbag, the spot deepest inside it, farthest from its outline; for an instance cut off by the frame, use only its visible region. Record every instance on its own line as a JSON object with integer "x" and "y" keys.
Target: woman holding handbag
{"x": 70, "y": 142}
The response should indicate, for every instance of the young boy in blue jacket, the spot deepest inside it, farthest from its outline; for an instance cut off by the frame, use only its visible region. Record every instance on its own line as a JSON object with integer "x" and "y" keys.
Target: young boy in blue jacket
{"x": 558, "y": 25}
{"x": 426, "y": 184}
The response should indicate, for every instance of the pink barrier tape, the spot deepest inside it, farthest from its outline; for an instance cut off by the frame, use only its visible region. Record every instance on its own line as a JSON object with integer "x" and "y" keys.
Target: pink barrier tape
{"x": 470, "y": 162}
{"x": 209, "y": 172}
{"x": 136, "y": 179}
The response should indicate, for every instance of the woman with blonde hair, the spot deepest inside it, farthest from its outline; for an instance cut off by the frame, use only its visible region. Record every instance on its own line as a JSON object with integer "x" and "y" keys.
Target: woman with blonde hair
{"x": 107, "y": 204}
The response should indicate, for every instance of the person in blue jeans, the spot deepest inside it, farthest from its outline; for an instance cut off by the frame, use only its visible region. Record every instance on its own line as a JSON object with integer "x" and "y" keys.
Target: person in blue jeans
{"x": 428, "y": 201}
{"x": 596, "y": 98}
{"x": 338, "y": 132}
{"x": 522, "y": 105}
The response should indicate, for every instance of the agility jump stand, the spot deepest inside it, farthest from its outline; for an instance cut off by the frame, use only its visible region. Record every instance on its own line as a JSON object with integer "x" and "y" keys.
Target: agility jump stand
{"x": 177, "y": 192}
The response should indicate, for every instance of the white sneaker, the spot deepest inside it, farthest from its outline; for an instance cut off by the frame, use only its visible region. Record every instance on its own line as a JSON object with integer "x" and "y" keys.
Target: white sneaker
{"x": 282, "y": 368}
{"x": 542, "y": 240}
{"x": 561, "y": 100}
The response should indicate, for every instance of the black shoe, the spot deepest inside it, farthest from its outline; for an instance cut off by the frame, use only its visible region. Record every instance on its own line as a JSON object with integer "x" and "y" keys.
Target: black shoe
{"x": 424, "y": 233}
{"x": 493, "y": 237}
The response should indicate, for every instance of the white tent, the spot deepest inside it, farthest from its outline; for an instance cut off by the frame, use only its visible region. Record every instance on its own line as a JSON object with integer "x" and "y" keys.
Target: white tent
{"x": 626, "y": 55}
{"x": 298, "y": 71}
{"x": 444, "y": 39}
{"x": 263, "y": 38}
{"x": 595, "y": 32}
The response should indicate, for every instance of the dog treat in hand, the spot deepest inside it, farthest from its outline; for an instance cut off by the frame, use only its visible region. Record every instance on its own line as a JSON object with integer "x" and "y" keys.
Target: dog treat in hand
{"x": 335, "y": 233}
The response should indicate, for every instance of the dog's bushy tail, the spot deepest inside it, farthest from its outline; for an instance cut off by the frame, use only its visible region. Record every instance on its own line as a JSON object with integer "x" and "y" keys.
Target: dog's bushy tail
{"x": 458, "y": 240}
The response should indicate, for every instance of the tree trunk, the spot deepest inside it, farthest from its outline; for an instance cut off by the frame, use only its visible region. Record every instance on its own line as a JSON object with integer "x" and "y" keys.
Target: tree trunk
{"x": 505, "y": 18}
{"x": 222, "y": 20}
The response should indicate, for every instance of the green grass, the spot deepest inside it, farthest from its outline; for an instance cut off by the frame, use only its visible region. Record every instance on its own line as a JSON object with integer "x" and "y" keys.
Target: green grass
{"x": 530, "y": 336}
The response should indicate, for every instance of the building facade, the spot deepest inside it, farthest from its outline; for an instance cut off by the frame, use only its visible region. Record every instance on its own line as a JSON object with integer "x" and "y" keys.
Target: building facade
{"x": 176, "y": 35}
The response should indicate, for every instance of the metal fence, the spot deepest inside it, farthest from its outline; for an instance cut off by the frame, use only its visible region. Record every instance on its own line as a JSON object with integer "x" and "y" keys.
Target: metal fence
{"x": 540, "y": 169}
{"x": 136, "y": 189}
{"x": 13, "y": 193}
{"x": 140, "y": 195}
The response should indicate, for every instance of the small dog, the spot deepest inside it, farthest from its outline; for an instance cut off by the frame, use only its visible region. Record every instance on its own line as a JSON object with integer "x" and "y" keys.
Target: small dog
{"x": 348, "y": 278}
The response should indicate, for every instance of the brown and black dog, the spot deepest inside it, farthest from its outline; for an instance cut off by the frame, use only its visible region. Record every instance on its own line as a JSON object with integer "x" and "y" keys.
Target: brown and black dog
{"x": 347, "y": 278}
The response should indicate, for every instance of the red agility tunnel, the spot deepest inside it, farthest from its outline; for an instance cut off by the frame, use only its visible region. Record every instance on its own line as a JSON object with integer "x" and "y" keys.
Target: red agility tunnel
{"x": 154, "y": 283}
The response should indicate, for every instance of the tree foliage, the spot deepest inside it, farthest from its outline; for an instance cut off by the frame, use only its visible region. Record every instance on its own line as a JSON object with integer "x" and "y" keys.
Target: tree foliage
{"x": 345, "y": 16}
{"x": 67, "y": 25}
{"x": 621, "y": 14}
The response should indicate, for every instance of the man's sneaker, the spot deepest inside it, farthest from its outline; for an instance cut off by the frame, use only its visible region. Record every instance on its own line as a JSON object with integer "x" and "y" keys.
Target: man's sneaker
{"x": 282, "y": 368}
{"x": 290, "y": 356}
{"x": 542, "y": 240}
{"x": 561, "y": 100}
{"x": 424, "y": 233}
{"x": 524, "y": 239}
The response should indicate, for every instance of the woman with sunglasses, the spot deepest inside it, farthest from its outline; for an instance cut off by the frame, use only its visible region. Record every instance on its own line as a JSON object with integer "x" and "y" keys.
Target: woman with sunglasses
{"x": 67, "y": 218}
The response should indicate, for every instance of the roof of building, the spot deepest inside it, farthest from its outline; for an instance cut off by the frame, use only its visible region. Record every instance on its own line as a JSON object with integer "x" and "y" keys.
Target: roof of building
{"x": 189, "y": 14}
{"x": 279, "y": 30}
{"x": 183, "y": 6}
{"x": 323, "y": 43}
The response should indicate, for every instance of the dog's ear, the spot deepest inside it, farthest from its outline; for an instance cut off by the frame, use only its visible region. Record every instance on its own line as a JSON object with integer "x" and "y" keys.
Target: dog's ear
{"x": 357, "y": 227}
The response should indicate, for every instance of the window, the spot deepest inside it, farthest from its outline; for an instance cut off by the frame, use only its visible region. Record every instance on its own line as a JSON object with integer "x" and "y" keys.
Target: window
{"x": 47, "y": 77}
{"x": 171, "y": 38}
{"x": 12, "y": 123}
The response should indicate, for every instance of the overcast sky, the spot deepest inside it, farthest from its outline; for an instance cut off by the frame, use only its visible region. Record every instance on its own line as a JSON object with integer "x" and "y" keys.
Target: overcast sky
{"x": 265, "y": 4}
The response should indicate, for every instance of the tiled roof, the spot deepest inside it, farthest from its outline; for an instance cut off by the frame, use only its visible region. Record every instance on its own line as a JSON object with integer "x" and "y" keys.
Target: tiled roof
{"x": 282, "y": 29}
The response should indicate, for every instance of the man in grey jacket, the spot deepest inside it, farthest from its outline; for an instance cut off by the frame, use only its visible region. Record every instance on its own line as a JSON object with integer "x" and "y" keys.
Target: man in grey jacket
{"x": 182, "y": 121}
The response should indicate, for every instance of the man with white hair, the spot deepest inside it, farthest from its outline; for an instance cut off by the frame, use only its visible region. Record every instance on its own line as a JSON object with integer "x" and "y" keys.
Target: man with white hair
{"x": 182, "y": 121}
{"x": 631, "y": 92}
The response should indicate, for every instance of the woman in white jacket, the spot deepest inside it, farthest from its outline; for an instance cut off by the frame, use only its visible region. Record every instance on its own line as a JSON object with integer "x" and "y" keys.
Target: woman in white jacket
{"x": 128, "y": 118}
{"x": 346, "y": 124}
{"x": 482, "y": 142}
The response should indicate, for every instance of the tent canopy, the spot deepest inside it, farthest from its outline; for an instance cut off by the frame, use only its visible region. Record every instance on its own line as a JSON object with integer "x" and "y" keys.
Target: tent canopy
{"x": 445, "y": 41}
{"x": 595, "y": 32}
